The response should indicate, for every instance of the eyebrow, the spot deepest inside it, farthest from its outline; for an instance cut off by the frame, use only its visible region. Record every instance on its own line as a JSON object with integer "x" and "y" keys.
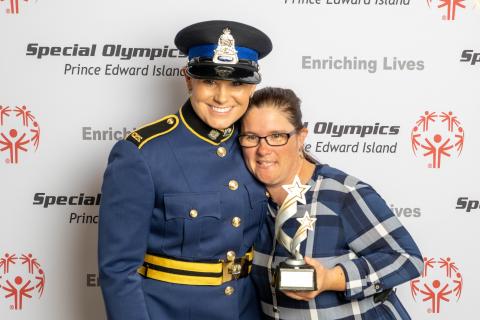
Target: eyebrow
{"x": 271, "y": 132}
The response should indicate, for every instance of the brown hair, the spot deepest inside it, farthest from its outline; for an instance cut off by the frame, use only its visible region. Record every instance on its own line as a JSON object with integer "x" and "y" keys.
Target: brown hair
{"x": 284, "y": 100}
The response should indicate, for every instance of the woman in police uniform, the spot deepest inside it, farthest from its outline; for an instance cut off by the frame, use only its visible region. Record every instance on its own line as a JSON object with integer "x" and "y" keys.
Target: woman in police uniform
{"x": 179, "y": 209}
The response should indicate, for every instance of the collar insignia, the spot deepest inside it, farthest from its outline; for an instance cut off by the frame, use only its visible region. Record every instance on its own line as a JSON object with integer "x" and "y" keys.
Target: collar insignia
{"x": 213, "y": 134}
{"x": 227, "y": 132}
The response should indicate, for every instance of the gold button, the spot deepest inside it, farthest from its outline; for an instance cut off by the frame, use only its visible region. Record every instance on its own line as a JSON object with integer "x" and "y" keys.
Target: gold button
{"x": 231, "y": 255}
{"x": 233, "y": 185}
{"x": 170, "y": 121}
{"x": 236, "y": 222}
{"x": 221, "y": 152}
{"x": 229, "y": 291}
{"x": 193, "y": 213}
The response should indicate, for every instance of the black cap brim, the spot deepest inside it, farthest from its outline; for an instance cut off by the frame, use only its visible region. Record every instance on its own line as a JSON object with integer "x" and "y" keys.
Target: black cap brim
{"x": 237, "y": 72}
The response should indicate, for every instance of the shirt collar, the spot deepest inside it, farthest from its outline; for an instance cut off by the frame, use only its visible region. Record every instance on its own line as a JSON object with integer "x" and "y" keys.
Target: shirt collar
{"x": 201, "y": 129}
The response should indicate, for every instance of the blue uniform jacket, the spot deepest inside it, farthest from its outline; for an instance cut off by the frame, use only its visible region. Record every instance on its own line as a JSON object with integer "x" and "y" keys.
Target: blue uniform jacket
{"x": 172, "y": 166}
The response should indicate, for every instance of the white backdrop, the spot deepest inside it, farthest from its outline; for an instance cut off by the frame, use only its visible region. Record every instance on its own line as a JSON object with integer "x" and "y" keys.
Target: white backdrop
{"x": 396, "y": 61}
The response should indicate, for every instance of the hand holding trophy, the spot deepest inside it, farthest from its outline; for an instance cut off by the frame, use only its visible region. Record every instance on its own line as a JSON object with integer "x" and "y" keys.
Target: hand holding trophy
{"x": 294, "y": 274}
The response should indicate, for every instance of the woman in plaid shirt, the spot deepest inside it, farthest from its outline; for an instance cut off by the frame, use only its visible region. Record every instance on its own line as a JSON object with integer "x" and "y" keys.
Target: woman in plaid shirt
{"x": 359, "y": 249}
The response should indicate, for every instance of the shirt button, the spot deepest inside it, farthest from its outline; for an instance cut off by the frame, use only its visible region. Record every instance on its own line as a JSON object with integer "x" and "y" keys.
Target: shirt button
{"x": 233, "y": 185}
{"x": 231, "y": 255}
{"x": 221, "y": 152}
{"x": 236, "y": 222}
{"x": 267, "y": 194}
{"x": 229, "y": 291}
{"x": 193, "y": 213}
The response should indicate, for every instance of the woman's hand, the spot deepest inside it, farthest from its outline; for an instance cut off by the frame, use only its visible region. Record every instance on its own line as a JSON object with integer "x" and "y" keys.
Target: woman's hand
{"x": 327, "y": 279}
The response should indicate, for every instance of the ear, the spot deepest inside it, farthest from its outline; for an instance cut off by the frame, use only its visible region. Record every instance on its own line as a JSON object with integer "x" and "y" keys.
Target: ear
{"x": 252, "y": 90}
{"x": 302, "y": 135}
{"x": 188, "y": 80}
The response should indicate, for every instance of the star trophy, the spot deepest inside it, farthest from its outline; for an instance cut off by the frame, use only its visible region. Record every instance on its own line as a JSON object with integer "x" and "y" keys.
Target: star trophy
{"x": 294, "y": 274}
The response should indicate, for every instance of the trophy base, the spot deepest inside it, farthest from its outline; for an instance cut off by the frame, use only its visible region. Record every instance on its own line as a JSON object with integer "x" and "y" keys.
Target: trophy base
{"x": 295, "y": 275}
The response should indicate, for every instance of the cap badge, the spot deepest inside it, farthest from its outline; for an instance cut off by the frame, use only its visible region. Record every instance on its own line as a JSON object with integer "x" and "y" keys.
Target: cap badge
{"x": 225, "y": 51}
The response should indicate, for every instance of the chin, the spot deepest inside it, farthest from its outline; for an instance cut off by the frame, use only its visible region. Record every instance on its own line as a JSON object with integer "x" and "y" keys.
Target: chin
{"x": 266, "y": 179}
{"x": 221, "y": 123}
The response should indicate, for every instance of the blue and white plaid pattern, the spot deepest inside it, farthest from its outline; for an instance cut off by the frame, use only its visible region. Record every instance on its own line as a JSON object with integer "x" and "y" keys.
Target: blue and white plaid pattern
{"x": 356, "y": 230}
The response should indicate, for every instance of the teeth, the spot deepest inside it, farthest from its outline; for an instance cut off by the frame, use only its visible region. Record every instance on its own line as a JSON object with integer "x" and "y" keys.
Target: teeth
{"x": 221, "y": 110}
{"x": 265, "y": 163}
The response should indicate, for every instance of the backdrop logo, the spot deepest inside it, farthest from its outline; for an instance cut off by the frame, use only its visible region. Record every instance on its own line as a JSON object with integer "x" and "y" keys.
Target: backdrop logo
{"x": 352, "y": 138}
{"x": 471, "y": 57}
{"x": 78, "y": 201}
{"x": 19, "y": 132}
{"x": 449, "y": 7}
{"x": 14, "y": 6}
{"x": 464, "y": 203}
{"x": 21, "y": 278}
{"x": 437, "y": 136}
{"x": 441, "y": 282}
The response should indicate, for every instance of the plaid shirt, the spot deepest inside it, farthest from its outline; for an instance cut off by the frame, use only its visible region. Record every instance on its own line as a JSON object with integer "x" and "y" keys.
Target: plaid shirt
{"x": 356, "y": 230}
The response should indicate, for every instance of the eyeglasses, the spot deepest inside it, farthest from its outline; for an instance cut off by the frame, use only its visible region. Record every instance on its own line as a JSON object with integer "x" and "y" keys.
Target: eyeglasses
{"x": 274, "y": 139}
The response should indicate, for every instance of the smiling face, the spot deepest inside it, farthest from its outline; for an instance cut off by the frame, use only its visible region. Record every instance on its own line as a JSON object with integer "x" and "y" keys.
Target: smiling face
{"x": 219, "y": 103}
{"x": 273, "y": 166}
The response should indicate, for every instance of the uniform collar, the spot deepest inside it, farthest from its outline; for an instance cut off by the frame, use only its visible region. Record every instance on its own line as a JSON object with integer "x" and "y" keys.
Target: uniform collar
{"x": 201, "y": 129}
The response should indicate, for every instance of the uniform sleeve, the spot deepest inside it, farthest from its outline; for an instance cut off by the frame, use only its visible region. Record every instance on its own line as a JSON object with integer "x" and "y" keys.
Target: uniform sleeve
{"x": 386, "y": 253}
{"x": 124, "y": 223}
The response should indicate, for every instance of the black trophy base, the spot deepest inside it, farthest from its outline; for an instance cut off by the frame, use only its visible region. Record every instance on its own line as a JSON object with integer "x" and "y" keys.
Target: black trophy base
{"x": 295, "y": 275}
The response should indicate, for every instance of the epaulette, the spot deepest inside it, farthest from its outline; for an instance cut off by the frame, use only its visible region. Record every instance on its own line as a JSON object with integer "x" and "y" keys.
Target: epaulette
{"x": 152, "y": 130}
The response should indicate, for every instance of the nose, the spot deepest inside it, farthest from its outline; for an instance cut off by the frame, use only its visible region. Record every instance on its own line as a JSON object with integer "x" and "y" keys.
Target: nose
{"x": 263, "y": 148}
{"x": 221, "y": 93}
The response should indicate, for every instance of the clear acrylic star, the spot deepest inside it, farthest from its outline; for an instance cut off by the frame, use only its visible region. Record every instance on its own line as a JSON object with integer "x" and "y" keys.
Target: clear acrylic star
{"x": 307, "y": 222}
{"x": 296, "y": 190}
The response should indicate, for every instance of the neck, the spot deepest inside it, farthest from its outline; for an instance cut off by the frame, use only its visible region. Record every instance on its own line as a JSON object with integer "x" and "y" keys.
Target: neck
{"x": 304, "y": 172}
